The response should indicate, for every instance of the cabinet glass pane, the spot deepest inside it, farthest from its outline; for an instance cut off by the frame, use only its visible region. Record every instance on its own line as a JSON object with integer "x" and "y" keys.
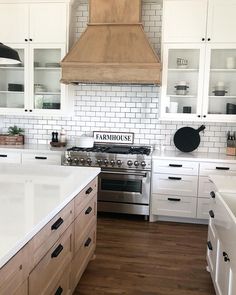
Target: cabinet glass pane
{"x": 12, "y": 86}
{"x": 47, "y": 74}
{"x": 182, "y": 81}
{"x": 222, "y": 83}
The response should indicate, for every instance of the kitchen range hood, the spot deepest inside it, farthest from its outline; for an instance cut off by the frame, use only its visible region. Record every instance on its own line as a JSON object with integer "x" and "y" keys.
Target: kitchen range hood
{"x": 113, "y": 48}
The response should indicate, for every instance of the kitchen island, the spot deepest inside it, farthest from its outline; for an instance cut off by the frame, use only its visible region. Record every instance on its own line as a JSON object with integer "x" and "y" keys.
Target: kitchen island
{"x": 46, "y": 212}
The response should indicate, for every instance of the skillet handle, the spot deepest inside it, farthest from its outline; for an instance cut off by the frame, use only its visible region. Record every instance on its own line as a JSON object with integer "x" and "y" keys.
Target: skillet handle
{"x": 201, "y": 128}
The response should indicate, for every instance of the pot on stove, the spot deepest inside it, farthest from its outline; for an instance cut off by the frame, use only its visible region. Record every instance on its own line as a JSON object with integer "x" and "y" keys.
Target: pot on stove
{"x": 85, "y": 141}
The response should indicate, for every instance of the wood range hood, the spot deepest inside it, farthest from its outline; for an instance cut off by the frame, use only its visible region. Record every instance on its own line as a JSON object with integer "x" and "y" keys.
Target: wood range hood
{"x": 113, "y": 49}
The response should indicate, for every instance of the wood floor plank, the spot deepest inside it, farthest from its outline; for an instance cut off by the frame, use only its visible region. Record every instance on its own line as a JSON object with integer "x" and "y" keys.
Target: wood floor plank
{"x": 135, "y": 257}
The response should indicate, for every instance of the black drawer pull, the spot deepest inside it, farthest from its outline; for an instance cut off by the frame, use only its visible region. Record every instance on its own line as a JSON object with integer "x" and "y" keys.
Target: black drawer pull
{"x": 87, "y": 243}
{"x": 3, "y": 156}
{"x": 222, "y": 168}
{"x": 174, "y": 178}
{"x": 88, "y": 191}
{"x": 211, "y": 213}
{"x": 59, "y": 291}
{"x": 175, "y": 165}
{"x": 88, "y": 210}
{"x": 174, "y": 199}
{"x": 40, "y": 158}
{"x": 209, "y": 245}
{"x": 226, "y": 257}
{"x": 213, "y": 195}
{"x": 57, "y": 224}
{"x": 57, "y": 251}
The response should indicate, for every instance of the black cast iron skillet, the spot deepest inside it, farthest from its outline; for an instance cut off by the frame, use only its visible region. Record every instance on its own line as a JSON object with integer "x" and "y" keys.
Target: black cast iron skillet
{"x": 187, "y": 139}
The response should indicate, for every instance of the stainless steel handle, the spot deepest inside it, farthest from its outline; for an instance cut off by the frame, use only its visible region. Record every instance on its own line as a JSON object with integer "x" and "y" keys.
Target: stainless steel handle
{"x": 126, "y": 173}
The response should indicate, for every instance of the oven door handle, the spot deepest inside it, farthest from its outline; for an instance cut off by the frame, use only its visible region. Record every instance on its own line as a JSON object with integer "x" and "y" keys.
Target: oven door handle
{"x": 125, "y": 173}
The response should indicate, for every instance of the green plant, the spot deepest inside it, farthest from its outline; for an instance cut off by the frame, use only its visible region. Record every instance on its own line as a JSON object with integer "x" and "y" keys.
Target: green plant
{"x": 14, "y": 130}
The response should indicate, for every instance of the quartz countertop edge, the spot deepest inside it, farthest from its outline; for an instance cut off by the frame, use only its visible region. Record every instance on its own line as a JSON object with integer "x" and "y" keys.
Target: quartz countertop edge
{"x": 32, "y": 148}
{"x": 36, "y": 228}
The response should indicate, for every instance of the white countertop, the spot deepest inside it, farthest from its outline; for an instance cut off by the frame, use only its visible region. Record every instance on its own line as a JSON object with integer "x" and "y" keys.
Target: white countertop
{"x": 32, "y": 148}
{"x": 30, "y": 197}
{"x": 193, "y": 156}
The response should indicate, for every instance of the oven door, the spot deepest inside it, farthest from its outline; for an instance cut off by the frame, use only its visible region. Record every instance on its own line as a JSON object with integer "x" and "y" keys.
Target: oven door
{"x": 123, "y": 186}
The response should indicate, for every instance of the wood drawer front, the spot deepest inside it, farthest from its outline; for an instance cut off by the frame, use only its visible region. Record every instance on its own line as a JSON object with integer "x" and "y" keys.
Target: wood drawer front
{"x": 172, "y": 184}
{"x": 205, "y": 187}
{"x": 51, "y": 232}
{"x": 22, "y": 290}
{"x": 175, "y": 167}
{"x": 85, "y": 196}
{"x": 83, "y": 256}
{"x": 173, "y": 206}
{"x": 15, "y": 272}
{"x": 207, "y": 169}
{"x": 63, "y": 285}
{"x": 47, "y": 273}
{"x": 203, "y": 207}
{"x": 10, "y": 157}
{"x": 84, "y": 220}
{"x": 41, "y": 158}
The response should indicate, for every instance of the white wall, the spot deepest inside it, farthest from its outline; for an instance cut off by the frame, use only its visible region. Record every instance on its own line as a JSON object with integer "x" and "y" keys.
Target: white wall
{"x": 118, "y": 108}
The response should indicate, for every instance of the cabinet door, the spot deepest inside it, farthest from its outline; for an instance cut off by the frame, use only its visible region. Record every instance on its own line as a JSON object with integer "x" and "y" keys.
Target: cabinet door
{"x": 14, "y": 83}
{"x": 184, "y": 20}
{"x": 48, "y": 22}
{"x": 13, "y": 23}
{"x": 220, "y": 87}
{"x": 182, "y": 81}
{"x": 222, "y": 21}
{"x": 232, "y": 281}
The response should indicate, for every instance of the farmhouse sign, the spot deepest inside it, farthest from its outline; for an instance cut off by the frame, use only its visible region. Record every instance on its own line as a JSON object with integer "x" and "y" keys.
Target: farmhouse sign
{"x": 113, "y": 137}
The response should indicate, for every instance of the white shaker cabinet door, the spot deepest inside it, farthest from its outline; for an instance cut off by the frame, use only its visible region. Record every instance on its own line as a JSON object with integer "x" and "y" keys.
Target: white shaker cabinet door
{"x": 184, "y": 20}
{"x": 222, "y": 21}
{"x": 13, "y": 23}
{"x": 48, "y": 22}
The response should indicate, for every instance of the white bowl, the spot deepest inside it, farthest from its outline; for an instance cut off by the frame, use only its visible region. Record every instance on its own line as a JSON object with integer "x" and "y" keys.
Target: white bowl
{"x": 85, "y": 142}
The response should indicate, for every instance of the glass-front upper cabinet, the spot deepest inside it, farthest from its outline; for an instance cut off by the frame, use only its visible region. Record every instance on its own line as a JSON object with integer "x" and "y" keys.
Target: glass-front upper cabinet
{"x": 14, "y": 83}
{"x": 182, "y": 81}
{"x": 220, "y": 89}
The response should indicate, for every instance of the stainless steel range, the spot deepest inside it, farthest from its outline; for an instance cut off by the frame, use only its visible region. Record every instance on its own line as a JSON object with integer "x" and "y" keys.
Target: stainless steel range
{"x": 124, "y": 181}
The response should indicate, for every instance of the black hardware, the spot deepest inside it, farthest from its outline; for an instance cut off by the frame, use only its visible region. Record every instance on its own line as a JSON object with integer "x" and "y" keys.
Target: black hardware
{"x": 88, "y": 191}
{"x": 3, "y": 156}
{"x": 226, "y": 257}
{"x": 26, "y": 40}
{"x": 204, "y": 116}
{"x": 30, "y": 110}
{"x": 57, "y": 224}
{"x": 209, "y": 245}
{"x": 199, "y": 116}
{"x": 87, "y": 243}
{"x": 222, "y": 168}
{"x": 211, "y": 213}
{"x": 174, "y": 178}
{"x": 57, "y": 251}
{"x": 174, "y": 199}
{"x": 26, "y": 110}
{"x": 175, "y": 165}
{"x": 203, "y": 39}
{"x": 209, "y": 39}
{"x": 40, "y": 158}
{"x": 213, "y": 195}
{"x": 31, "y": 39}
{"x": 88, "y": 210}
{"x": 59, "y": 291}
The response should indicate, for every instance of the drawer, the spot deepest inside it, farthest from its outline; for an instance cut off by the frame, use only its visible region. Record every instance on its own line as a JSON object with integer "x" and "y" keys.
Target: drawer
{"x": 63, "y": 285}
{"x": 10, "y": 157}
{"x": 41, "y": 158}
{"x": 51, "y": 232}
{"x": 169, "y": 205}
{"x": 175, "y": 167}
{"x": 17, "y": 271}
{"x": 205, "y": 187}
{"x": 203, "y": 207}
{"x": 179, "y": 185}
{"x": 211, "y": 251}
{"x": 47, "y": 273}
{"x": 207, "y": 169}
{"x": 85, "y": 196}
{"x": 86, "y": 217}
{"x": 83, "y": 256}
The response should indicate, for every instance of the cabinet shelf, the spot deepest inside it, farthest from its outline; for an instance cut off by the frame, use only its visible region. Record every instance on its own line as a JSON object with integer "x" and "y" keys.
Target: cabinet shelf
{"x": 13, "y": 92}
{"x": 223, "y": 70}
{"x": 182, "y": 70}
{"x": 47, "y": 93}
{"x": 181, "y": 96}
{"x": 47, "y": 68}
{"x": 225, "y": 96}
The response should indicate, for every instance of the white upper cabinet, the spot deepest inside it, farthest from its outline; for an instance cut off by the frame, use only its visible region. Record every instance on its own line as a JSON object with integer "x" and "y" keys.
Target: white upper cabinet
{"x": 222, "y": 21}
{"x": 184, "y": 20}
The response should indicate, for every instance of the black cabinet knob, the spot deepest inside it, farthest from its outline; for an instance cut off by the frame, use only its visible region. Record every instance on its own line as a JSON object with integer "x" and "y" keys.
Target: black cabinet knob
{"x": 211, "y": 213}
{"x": 203, "y": 39}
{"x": 209, "y": 39}
{"x": 26, "y": 40}
{"x": 31, "y": 39}
{"x": 30, "y": 111}
{"x": 213, "y": 195}
{"x": 204, "y": 116}
{"x": 199, "y": 116}
{"x": 26, "y": 110}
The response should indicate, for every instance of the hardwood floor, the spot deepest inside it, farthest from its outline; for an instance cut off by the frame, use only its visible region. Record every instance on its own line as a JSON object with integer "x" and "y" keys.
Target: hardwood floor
{"x": 135, "y": 257}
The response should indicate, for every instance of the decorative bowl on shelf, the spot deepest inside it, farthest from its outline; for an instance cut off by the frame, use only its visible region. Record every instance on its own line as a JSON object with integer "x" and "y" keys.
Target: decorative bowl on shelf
{"x": 15, "y": 87}
{"x": 220, "y": 92}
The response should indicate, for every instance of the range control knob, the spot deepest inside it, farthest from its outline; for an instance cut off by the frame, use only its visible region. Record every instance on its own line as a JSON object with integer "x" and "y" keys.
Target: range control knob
{"x": 143, "y": 164}
{"x": 99, "y": 162}
{"x": 68, "y": 159}
{"x": 119, "y": 162}
{"x": 89, "y": 161}
{"x": 112, "y": 162}
{"x": 76, "y": 161}
{"x": 129, "y": 163}
{"x": 82, "y": 161}
{"x": 106, "y": 162}
{"x": 136, "y": 163}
